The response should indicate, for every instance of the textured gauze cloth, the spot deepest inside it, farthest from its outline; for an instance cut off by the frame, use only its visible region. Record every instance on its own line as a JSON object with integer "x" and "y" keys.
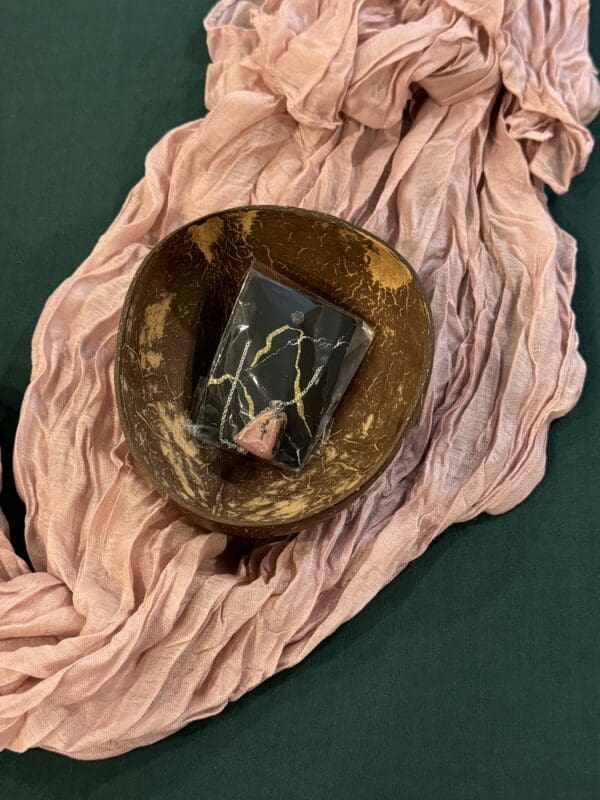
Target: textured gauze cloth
{"x": 433, "y": 124}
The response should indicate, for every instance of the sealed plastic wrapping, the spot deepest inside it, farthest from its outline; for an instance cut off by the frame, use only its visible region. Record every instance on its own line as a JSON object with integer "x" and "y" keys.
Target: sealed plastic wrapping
{"x": 284, "y": 361}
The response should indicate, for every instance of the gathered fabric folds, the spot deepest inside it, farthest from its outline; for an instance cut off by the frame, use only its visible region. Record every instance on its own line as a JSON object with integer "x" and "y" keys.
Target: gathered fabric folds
{"x": 432, "y": 123}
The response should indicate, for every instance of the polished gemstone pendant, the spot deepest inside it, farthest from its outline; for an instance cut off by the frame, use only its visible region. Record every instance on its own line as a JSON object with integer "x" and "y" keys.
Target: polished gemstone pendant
{"x": 261, "y": 436}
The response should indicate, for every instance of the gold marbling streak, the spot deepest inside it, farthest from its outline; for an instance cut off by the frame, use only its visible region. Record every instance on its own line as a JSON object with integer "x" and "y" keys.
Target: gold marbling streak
{"x": 387, "y": 273}
{"x": 205, "y": 236}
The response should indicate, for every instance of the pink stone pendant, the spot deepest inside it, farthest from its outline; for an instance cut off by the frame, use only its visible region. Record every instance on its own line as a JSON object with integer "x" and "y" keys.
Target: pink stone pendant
{"x": 262, "y": 434}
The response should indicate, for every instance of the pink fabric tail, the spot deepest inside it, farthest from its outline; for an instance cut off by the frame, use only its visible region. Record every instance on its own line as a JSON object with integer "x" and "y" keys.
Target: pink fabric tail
{"x": 433, "y": 124}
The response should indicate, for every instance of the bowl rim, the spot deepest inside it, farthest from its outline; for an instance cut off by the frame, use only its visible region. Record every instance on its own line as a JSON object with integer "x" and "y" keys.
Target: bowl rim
{"x": 268, "y": 529}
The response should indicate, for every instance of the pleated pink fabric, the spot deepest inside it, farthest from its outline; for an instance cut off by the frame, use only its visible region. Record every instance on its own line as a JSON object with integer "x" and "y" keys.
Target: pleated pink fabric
{"x": 434, "y": 125}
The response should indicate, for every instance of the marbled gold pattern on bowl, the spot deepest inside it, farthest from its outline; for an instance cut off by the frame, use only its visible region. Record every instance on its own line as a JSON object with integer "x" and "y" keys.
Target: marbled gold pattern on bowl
{"x": 173, "y": 317}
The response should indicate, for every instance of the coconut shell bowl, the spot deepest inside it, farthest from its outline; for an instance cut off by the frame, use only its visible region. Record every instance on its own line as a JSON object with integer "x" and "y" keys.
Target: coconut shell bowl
{"x": 172, "y": 320}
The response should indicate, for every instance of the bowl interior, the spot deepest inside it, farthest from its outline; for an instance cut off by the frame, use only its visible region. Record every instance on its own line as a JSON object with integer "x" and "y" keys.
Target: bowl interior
{"x": 172, "y": 320}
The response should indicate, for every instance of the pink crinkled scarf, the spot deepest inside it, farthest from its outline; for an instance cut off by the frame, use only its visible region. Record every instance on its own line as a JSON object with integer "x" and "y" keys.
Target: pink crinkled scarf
{"x": 433, "y": 124}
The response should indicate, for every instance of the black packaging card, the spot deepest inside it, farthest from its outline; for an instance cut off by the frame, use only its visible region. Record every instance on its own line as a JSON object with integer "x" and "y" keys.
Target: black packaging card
{"x": 282, "y": 351}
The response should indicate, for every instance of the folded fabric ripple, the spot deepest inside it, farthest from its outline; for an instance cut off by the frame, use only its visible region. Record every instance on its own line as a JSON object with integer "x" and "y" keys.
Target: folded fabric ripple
{"x": 434, "y": 125}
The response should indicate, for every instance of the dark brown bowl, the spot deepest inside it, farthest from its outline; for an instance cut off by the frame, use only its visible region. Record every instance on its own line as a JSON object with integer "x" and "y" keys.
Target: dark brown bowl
{"x": 173, "y": 316}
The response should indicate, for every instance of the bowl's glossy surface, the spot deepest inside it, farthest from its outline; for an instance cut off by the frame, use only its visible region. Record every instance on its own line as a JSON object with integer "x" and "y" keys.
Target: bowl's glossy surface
{"x": 172, "y": 319}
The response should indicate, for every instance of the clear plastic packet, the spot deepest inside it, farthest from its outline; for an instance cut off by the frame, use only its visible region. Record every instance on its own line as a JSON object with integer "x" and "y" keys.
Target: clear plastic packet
{"x": 284, "y": 361}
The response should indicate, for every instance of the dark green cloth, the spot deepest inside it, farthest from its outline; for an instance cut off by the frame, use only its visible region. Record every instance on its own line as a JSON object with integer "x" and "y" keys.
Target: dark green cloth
{"x": 476, "y": 673}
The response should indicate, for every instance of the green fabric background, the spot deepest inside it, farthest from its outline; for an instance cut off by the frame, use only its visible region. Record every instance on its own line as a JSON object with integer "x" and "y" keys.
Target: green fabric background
{"x": 476, "y": 673}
